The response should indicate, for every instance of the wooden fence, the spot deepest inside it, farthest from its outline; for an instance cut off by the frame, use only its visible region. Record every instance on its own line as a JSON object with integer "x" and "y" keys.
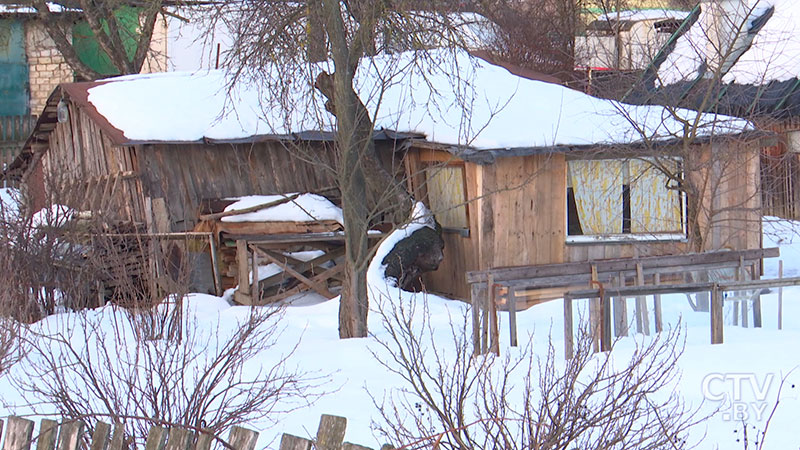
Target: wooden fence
{"x": 70, "y": 435}
{"x": 14, "y": 131}
{"x": 605, "y": 280}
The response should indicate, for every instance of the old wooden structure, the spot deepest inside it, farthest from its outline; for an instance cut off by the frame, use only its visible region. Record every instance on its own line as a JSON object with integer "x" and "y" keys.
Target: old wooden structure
{"x": 517, "y": 207}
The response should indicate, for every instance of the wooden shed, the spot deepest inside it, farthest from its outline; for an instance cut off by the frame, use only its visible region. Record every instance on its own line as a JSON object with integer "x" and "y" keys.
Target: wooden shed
{"x": 527, "y": 206}
{"x": 539, "y": 174}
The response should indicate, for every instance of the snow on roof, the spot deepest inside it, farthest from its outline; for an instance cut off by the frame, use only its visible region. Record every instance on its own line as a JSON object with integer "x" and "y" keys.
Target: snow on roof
{"x": 305, "y": 208}
{"x": 461, "y": 101}
{"x": 771, "y": 56}
{"x": 25, "y": 9}
{"x": 644, "y": 14}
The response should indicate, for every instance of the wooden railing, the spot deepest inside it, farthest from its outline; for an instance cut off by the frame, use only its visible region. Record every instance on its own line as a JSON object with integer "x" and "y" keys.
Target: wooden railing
{"x": 605, "y": 280}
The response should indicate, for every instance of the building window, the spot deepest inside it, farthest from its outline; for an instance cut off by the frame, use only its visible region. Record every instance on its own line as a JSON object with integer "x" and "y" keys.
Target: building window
{"x": 447, "y": 195}
{"x": 620, "y": 199}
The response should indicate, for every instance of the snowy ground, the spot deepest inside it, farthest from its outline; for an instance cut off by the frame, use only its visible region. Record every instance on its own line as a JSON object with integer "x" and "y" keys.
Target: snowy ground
{"x": 750, "y": 360}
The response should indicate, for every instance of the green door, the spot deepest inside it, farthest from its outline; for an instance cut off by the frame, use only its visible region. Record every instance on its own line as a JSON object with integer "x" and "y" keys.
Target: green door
{"x": 13, "y": 69}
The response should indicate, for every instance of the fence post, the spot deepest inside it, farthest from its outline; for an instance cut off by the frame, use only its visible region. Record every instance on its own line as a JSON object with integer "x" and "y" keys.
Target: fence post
{"x": 290, "y": 442}
{"x": 476, "y": 319}
{"x": 242, "y": 438}
{"x": 156, "y": 438}
{"x": 69, "y": 435}
{"x": 330, "y": 434}
{"x": 568, "y": 333}
{"x": 179, "y": 439}
{"x": 18, "y": 434}
{"x": 118, "y": 438}
{"x": 48, "y": 430}
{"x": 716, "y": 314}
{"x": 102, "y": 431}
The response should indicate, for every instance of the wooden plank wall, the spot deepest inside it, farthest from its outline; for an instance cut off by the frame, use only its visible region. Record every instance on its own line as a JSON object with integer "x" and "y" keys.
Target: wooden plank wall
{"x": 528, "y": 211}
{"x": 181, "y": 176}
{"x": 80, "y": 157}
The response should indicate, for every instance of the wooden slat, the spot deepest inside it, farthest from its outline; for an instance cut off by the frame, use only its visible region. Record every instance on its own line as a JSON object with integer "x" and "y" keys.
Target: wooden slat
{"x": 117, "y": 438}
{"x": 18, "y": 434}
{"x": 657, "y": 313}
{"x": 242, "y": 438}
{"x": 69, "y": 435}
{"x": 290, "y": 442}
{"x": 493, "y": 320}
{"x": 330, "y": 273}
{"x": 100, "y": 437}
{"x": 330, "y": 433}
{"x": 716, "y": 315}
{"x": 156, "y": 438}
{"x": 48, "y": 431}
{"x": 512, "y": 316}
{"x": 568, "y": 331}
{"x": 179, "y": 439}
{"x": 621, "y": 264}
{"x": 476, "y": 324}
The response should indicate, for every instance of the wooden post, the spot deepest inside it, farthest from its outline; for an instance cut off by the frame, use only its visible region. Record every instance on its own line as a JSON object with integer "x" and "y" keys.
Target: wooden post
{"x": 156, "y": 438}
{"x": 568, "y": 332}
{"x": 605, "y": 308}
{"x": 620, "y": 310}
{"x": 215, "y": 272}
{"x": 492, "y": 309}
{"x": 69, "y": 435}
{"x": 48, "y": 430}
{"x": 757, "y": 321}
{"x": 254, "y": 289}
{"x": 289, "y": 442}
{"x": 242, "y": 438}
{"x": 716, "y": 315}
{"x": 330, "y": 434}
{"x": 179, "y": 439}
{"x": 351, "y": 446}
{"x": 19, "y": 433}
{"x": 512, "y": 316}
{"x": 476, "y": 318}
{"x": 740, "y": 276}
{"x": 485, "y": 319}
{"x": 780, "y": 296}
{"x": 658, "y": 315}
{"x": 102, "y": 431}
{"x": 642, "y": 317}
{"x": 595, "y": 315}
{"x": 243, "y": 293}
{"x": 118, "y": 438}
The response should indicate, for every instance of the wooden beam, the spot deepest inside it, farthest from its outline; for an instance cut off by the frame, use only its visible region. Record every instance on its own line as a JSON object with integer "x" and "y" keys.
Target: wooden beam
{"x": 512, "y": 316}
{"x": 495, "y": 331}
{"x": 476, "y": 318}
{"x": 568, "y": 331}
{"x": 330, "y": 273}
{"x": 316, "y": 286}
{"x": 716, "y": 315}
{"x": 255, "y": 208}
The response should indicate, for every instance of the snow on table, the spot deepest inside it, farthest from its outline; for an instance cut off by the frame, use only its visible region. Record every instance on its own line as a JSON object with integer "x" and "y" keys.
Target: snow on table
{"x": 305, "y": 208}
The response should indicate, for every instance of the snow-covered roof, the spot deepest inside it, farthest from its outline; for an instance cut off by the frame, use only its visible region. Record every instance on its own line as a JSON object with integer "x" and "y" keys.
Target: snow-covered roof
{"x": 772, "y": 55}
{"x": 25, "y": 9}
{"x": 483, "y": 106}
{"x": 303, "y": 208}
{"x": 644, "y": 14}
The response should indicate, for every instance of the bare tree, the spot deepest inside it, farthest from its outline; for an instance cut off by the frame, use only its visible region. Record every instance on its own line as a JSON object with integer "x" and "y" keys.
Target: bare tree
{"x": 273, "y": 44}
{"x": 452, "y": 400}
{"x": 126, "y": 46}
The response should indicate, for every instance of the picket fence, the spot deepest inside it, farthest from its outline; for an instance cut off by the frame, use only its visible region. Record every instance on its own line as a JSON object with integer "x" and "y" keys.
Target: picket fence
{"x": 69, "y": 435}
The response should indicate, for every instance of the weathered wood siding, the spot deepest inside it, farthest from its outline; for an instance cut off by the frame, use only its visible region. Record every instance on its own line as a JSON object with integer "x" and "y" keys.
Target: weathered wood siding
{"x": 177, "y": 178}
{"x": 80, "y": 168}
{"x": 517, "y": 214}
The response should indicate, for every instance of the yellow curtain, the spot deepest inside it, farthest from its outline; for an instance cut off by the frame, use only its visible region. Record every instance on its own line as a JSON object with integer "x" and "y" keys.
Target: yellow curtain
{"x": 597, "y": 185}
{"x": 654, "y": 208}
{"x": 446, "y": 197}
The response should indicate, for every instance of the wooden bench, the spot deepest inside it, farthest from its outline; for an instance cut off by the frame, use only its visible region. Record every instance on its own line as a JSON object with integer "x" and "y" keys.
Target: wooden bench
{"x": 604, "y": 279}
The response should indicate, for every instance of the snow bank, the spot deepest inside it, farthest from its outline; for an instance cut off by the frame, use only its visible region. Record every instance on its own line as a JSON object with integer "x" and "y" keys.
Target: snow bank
{"x": 459, "y": 100}
{"x": 305, "y": 208}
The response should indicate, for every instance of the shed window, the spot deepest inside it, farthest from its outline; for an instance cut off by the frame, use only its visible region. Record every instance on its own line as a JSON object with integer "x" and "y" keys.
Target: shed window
{"x": 623, "y": 199}
{"x": 446, "y": 195}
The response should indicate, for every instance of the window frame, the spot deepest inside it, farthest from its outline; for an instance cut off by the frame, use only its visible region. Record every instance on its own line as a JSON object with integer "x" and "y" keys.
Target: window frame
{"x": 628, "y": 237}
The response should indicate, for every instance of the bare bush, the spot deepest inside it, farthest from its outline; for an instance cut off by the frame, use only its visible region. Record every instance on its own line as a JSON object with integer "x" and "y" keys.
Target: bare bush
{"x": 92, "y": 366}
{"x": 454, "y": 401}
